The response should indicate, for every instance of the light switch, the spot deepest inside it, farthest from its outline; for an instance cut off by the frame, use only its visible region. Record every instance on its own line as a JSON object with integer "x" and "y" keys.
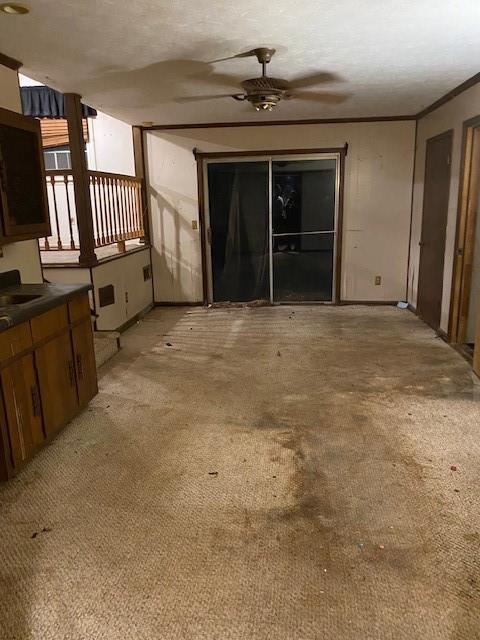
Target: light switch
{"x": 194, "y": 225}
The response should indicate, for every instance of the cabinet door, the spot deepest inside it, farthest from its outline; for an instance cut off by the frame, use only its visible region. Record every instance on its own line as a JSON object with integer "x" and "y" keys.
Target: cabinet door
{"x": 22, "y": 410}
{"x": 22, "y": 178}
{"x": 56, "y": 378}
{"x": 85, "y": 366}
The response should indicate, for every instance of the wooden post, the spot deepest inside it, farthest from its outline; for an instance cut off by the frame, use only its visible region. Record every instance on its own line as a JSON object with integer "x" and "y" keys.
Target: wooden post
{"x": 139, "y": 159}
{"x": 81, "y": 184}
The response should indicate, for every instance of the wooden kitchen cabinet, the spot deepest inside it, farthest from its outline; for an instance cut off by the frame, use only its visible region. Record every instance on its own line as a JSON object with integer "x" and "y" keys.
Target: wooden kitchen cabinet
{"x": 23, "y": 209}
{"x": 56, "y": 379}
{"x": 47, "y": 375}
{"x": 22, "y": 408}
{"x": 85, "y": 366}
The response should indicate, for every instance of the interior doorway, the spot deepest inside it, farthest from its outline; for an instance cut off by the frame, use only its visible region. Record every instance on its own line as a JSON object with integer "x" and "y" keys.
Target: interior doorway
{"x": 434, "y": 224}
{"x": 272, "y": 228}
{"x": 465, "y": 310}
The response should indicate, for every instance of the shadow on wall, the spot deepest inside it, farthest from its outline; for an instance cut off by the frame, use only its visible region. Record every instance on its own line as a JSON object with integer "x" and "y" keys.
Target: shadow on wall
{"x": 176, "y": 248}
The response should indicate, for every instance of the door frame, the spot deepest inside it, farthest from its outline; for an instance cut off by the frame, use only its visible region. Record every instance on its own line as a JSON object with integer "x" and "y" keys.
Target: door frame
{"x": 465, "y": 234}
{"x": 449, "y": 133}
{"x": 269, "y": 155}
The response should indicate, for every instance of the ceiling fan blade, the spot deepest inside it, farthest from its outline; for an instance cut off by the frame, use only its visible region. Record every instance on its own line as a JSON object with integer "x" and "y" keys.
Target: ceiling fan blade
{"x": 324, "y": 97}
{"x": 207, "y": 97}
{"x": 245, "y": 54}
{"x": 312, "y": 79}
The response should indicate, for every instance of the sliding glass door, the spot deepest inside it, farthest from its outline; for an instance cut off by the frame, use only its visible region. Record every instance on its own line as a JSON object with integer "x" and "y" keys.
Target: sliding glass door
{"x": 272, "y": 228}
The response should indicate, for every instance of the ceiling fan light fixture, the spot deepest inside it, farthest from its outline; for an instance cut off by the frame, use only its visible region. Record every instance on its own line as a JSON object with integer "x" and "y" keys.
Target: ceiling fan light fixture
{"x": 14, "y": 9}
{"x": 264, "y": 103}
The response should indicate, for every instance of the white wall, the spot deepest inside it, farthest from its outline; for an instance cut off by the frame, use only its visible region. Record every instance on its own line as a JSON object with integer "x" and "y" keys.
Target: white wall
{"x": 378, "y": 180}
{"x": 126, "y": 275}
{"x": 449, "y": 116}
{"x": 110, "y": 145}
{"x": 19, "y": 255}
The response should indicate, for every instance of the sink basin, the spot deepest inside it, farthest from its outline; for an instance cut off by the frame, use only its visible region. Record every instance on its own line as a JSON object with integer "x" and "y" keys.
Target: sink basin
{"x": 9, "y": 299}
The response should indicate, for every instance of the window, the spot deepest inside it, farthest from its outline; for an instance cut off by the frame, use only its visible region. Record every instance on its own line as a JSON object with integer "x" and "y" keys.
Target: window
{"x": 57, "y": 158}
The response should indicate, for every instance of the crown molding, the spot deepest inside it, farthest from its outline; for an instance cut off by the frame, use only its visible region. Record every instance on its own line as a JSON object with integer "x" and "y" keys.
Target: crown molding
{"x": 10, "y": 63}
{"x": 274, "y": 123}
{"x": 449, "y": 96}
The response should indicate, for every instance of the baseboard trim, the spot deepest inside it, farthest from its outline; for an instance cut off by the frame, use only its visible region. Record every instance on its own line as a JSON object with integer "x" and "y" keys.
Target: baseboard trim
{"x": 168, "y": 303}
{"x": 129, "y": 323}
{"x": 389, "y": 303}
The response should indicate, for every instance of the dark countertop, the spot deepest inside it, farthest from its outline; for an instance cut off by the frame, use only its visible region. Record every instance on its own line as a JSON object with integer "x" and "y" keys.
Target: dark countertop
{"x": 51, "y": 295}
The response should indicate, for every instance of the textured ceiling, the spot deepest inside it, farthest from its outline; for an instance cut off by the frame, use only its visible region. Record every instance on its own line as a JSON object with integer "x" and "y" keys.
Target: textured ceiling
{"x": 134, "y": 59}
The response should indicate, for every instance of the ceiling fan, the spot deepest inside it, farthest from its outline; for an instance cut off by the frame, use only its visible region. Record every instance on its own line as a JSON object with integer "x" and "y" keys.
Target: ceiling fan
{"x": 264, "y": 92}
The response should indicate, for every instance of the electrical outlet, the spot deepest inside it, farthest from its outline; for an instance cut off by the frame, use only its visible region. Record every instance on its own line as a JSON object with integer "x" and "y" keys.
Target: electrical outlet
{"x": 378, "y": 280}
{"x": 147, "y": 273}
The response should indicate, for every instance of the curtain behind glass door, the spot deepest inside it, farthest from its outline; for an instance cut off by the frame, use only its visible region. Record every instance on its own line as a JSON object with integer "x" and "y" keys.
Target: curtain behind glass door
{"x": 238, "y": 207}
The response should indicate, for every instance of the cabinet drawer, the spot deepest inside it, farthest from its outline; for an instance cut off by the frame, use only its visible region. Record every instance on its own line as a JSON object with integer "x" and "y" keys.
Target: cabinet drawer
{"x": 79, "y": 308}
{"x": 14, "y": 341}
{"x": 49, "y": 323}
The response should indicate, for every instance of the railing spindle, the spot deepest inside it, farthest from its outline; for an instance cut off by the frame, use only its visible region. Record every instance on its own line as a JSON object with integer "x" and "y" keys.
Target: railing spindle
{"x": 55, "y": 209}
{"x": 112, "y": 208}
{"x": 121, "y": 217}
{"x": 69, "y": 214}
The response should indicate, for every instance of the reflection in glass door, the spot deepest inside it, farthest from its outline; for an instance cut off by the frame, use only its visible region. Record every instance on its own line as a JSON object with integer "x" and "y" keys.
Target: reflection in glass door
{"x": 303, "y": 229}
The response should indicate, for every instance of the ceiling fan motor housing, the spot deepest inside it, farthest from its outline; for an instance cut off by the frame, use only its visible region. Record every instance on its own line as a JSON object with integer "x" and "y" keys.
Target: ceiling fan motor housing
{"x": 264, "y": 93}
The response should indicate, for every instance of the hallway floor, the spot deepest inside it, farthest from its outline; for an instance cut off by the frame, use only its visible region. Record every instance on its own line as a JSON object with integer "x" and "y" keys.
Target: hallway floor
{"x": 280, "y": 473}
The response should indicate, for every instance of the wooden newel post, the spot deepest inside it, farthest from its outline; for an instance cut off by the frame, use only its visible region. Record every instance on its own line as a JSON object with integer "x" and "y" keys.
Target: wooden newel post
{"x": 139, "y": 160}
{"x": 81, "y": 183}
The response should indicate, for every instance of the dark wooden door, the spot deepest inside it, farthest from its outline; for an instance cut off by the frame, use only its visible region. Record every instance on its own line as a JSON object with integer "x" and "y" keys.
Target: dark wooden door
{"x": 434, "y": 224}
{"x": 85, "y": 366}
{"x": 58, "y": 387}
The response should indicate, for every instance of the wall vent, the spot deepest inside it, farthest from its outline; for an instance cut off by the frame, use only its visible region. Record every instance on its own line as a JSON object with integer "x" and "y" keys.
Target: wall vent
{"x": 106, "y": 295}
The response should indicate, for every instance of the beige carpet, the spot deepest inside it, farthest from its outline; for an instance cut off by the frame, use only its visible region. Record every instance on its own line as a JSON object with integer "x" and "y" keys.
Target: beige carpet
{"x": 275, "y": 473}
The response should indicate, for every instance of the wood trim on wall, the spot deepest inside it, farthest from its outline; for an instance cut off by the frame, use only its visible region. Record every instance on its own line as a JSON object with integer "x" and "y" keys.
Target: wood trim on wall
{"x": 411, "y": 211}
{"x": 10, "y": 63}
{"x": 460, "y": 293}
{"x": 201, "y": 226}
{"x": 267, "y": 152}
{"x": 338, "y": 262}
{"x": 201, "y": 157}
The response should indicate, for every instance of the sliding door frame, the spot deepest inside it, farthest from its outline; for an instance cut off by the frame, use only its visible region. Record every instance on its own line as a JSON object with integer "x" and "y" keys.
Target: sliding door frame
{"x": 204, "y": 159}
